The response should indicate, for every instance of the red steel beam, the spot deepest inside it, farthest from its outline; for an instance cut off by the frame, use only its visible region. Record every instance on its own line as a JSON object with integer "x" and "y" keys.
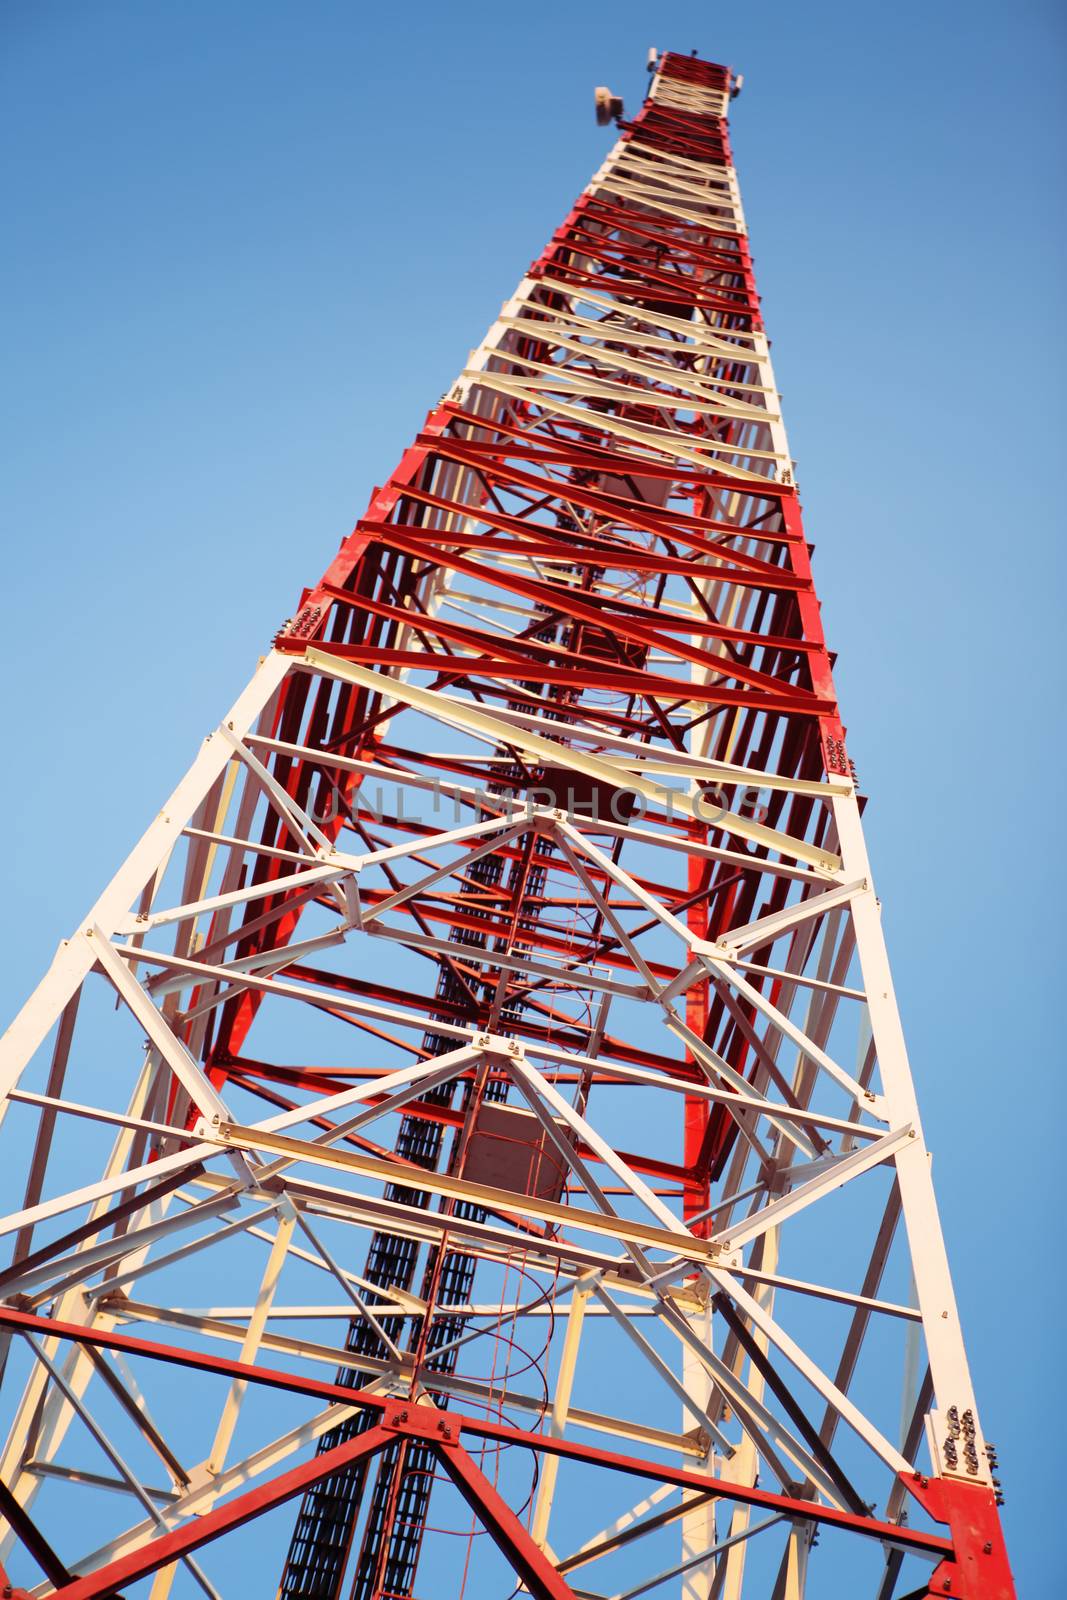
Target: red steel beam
{"x": 426, "y": 1420}
{"x": 169, "y": 1547}
{"x": 528, "y": 1561}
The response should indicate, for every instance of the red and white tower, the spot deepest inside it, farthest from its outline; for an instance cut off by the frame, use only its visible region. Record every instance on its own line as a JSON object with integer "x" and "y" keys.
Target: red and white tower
{"x": 470, "y": 1142}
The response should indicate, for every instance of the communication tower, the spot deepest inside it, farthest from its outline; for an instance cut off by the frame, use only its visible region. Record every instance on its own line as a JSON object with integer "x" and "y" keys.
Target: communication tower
{"x": 475, "y": 1121}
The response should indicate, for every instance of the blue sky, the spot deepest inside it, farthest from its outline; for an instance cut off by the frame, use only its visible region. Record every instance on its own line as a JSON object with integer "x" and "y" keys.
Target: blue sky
{"x": 251, "y": 243}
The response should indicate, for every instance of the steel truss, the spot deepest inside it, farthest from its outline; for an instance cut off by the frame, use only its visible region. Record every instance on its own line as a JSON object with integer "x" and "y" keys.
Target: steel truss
{"x": 534, "y": 831}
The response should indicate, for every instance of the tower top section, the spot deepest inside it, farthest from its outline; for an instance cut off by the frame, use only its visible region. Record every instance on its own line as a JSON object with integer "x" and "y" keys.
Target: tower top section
{"x": 699, "y": 88}
{"x": 681, "y": 84}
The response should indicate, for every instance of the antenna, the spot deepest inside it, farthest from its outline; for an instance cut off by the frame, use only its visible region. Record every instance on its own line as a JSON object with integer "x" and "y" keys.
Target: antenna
{"x": 608, "y": 106}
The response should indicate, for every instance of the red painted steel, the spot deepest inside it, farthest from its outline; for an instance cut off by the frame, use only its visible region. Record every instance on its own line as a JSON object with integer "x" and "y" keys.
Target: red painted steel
{"x": 426, "y": 1422}
{"x": 168, "y": 1547}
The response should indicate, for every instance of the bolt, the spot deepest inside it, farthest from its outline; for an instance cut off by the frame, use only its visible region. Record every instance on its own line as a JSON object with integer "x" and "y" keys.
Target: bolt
{"x": 987, "y": 1548}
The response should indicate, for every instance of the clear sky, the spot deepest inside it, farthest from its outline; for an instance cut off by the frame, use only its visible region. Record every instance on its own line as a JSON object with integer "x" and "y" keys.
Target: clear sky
{"x": 249, "y": 243}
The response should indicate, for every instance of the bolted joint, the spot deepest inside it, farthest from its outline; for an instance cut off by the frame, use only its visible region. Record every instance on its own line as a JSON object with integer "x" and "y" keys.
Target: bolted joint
{"x": 497, "y": 1044}
{"x": 420, "y": 1422}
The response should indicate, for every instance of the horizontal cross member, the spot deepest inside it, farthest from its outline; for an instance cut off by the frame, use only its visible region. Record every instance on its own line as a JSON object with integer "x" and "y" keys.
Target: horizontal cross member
{"x": 912, "y": 1540}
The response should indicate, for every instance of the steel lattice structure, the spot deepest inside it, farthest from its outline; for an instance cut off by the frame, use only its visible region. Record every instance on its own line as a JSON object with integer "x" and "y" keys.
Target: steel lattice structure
{"x": 481, "y": 1090}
